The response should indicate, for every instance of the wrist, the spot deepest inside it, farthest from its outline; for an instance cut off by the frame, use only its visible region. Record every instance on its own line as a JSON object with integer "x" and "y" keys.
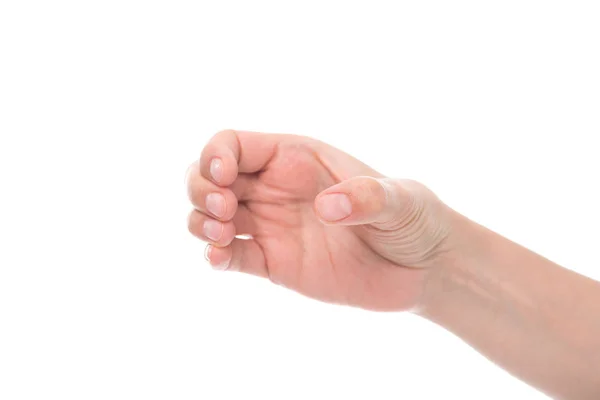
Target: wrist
{"x": 459, "y": 272}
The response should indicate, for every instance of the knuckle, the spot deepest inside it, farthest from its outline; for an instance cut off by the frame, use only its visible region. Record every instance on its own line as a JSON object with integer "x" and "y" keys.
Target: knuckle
{"x": 398, "y": 206}
{"x": 207, "y": 153}
{"x": 196, "y": 192}
{"x": 370, "y": 194}
{"x": 192, "y": 222}
{"x": 224, "y": 132}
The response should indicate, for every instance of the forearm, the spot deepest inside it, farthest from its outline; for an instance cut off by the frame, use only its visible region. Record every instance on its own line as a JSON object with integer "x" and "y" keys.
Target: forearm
{"x": 539, "y": 321}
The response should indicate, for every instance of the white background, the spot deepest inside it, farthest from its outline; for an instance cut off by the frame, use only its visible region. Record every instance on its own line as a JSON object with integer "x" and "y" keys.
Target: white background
{"x": 104, "y": 294}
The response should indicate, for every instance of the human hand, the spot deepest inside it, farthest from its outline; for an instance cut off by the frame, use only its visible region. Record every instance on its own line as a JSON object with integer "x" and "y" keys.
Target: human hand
{"x": 321, "y": 222}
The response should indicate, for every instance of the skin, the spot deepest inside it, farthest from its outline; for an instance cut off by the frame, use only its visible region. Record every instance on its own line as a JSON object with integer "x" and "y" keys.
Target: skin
{"x": 329, "y": 227}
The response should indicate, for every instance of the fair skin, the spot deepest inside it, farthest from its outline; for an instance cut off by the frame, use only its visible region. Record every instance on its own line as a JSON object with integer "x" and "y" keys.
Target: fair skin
{"x": 328, "y": 226}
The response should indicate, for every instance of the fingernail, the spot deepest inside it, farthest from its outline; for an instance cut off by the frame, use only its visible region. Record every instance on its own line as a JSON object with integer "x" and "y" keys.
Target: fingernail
{"x": 207, "y": 252}
{"x": 216, "y": 169}
{"x": 334, "y": 207}
{"x": 221, "y": 266}
{"x": 213, "y": 229}
{"x": 215, "y": 204}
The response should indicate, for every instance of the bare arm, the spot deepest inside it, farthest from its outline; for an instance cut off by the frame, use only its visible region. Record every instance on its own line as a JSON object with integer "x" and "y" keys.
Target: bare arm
{"x": 539, "y": 321}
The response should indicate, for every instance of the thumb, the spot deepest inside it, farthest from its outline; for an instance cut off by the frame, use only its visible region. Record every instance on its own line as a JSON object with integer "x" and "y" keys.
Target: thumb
{"x": 366, "y": 200}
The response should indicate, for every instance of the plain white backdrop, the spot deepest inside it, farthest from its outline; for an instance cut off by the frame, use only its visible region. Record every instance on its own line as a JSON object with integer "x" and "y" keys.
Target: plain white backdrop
{"x": 105, "y": 295}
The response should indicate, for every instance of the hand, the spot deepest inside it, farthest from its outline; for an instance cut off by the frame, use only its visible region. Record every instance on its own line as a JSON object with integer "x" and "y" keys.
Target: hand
{"x": 321, "y": 222}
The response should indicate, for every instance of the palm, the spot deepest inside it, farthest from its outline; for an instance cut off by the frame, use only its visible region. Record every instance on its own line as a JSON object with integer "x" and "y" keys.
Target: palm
{"x": 330, "y": 263}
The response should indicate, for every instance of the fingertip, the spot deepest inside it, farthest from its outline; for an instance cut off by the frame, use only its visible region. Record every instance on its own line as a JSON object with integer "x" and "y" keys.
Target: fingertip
{"x": 245, "y": 256}
{"x": 219, "y": 165}
{"x": 358, "y": 200}
{"x": 207, "y": 197}
{"x": 216, "y": 169}
{"x": 219, "y": 159}
{"x": 216, "y": 204}
{"x": 333, "y": 207}
{"x": 211, "y": 230}
{"x": 222, "y": 205}
{"x": 219, "y": 258}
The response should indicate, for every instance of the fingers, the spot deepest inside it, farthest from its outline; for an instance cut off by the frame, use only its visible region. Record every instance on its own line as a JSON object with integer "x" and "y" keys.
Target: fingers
{"x": 243, "y": 223}
{"x": 219, "y": 159}
{"x": 231, "y": 152}
{"x": 363, "y": 200}
{"x": 220, "y": 203}
{"x": 215, "y": 185}
{"x": 242, "y": 255}
{"x": 245, "y": 187}
{"x": 211, "y": 230}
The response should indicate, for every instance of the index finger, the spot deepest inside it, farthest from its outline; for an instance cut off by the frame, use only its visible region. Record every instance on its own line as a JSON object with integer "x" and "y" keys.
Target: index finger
{"x": 231, "y": 152}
